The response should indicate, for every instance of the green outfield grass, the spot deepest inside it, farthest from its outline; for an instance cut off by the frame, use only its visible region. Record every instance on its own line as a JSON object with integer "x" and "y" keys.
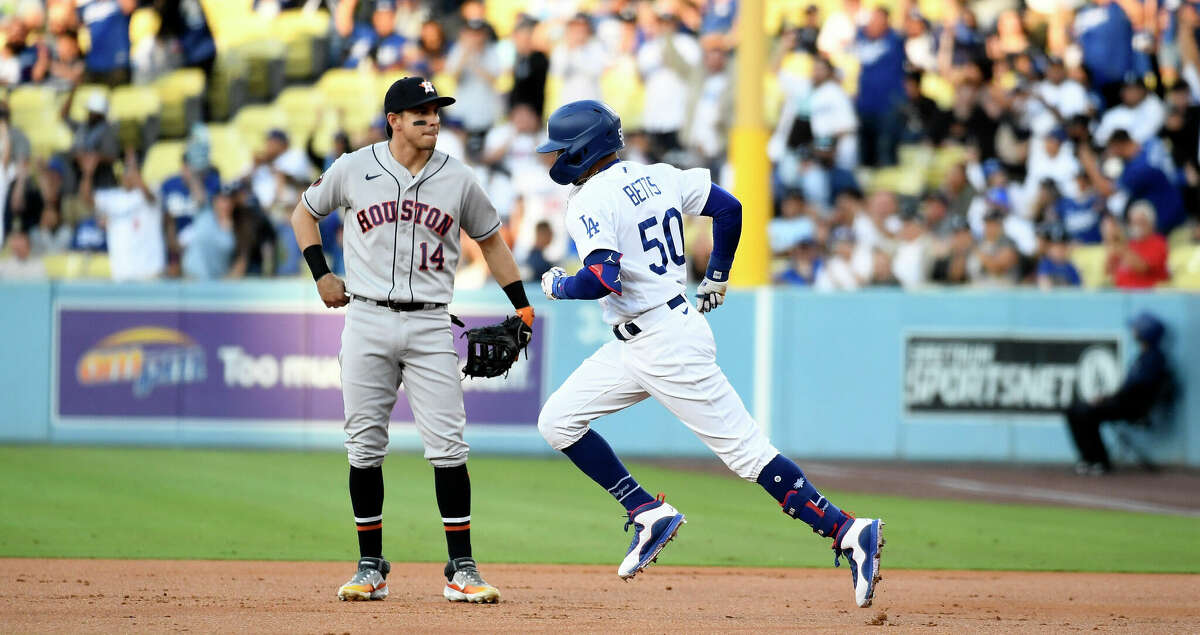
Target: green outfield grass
{"x": 139, "y": 503}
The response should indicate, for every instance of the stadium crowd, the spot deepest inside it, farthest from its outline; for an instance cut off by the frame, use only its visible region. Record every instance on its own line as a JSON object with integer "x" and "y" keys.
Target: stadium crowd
{"x": 945, "y": 143}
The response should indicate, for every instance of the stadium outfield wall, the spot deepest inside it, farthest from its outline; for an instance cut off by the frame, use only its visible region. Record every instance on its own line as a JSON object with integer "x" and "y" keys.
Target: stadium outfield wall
{"x": 962, "y": 375}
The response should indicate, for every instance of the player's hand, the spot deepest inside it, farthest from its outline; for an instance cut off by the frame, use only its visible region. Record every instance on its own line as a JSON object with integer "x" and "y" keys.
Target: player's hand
{"x": 526, "y": 315}
{"x": 551, "y": 282}
{"x": 710, "y": 295}
{"x": 333, "y": 291}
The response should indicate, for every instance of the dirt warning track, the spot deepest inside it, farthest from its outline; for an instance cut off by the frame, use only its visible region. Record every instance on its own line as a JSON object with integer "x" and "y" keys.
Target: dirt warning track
{"x": 208, "y": 596}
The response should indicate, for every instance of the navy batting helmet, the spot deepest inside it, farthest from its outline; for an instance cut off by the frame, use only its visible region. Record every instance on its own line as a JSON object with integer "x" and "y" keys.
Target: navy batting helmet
{"x": 585, "y": 131}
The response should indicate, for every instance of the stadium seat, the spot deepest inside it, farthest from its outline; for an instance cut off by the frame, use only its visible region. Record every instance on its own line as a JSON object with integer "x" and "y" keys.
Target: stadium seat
{"x": 135, "y": 110}
{"x": 30, "y": 105}
{"x": 229, "y": 152}
{"x": 181, "y": 93}
{"x": 335, "y": 83}
{"x": 143, "y": 23}
{"x": 56, "y": 265}
{"x": 162, "y": 160}
{"x": 1184, "y": 264}
{"x": 48, "y": 138}
{"x": 621, "y": 88}
{"x": 306, "y": 35}
{"x": 1091, "y": 262}
{"x": 1181, "y": 236}
{"x": 228, "y": 90}
{"x": 255, "y": 121}
{"x": 264, "y": 67}
{"x": 302, "y": 107}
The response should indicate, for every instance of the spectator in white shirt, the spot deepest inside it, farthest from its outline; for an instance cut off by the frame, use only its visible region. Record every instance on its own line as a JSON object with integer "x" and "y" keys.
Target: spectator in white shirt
{"x": 512, "y": 145}
{"x": 1140, "y": 113}
{"x": 20, "y": 263}
{"x": 711, "y": 103}
{"x": 665, "y": 61}
{"x": 1055, "y": 100}
{"x": 131, "y": 220}
{"x": 832, "y": 113}
{"x": 474, "y": 64}
{"x": 578, "y": 61}
{"x": 911, "y": 262}
{"x": 1053, "y": 158}
{"x": 280, "y": 173}
{"x": 839, "y": 273}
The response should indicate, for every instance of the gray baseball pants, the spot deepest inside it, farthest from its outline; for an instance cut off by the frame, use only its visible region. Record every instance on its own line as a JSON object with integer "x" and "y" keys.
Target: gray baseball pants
{"x": 383, "y": 349}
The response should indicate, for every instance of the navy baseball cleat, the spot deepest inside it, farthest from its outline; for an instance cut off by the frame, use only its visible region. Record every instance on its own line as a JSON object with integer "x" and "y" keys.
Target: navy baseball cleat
{"x": 654, "y": 525}
{"x": 861, "y": 541}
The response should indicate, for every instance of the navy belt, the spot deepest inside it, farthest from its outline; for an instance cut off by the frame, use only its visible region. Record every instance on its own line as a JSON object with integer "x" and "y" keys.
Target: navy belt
{"x": 634, "y": 330}
{"x": 399, "y": 306}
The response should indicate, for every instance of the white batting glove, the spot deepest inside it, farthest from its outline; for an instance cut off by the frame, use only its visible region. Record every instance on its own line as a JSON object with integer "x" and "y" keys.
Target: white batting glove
{"x": 550, "y": 281}
{"x": 710, "y": 295}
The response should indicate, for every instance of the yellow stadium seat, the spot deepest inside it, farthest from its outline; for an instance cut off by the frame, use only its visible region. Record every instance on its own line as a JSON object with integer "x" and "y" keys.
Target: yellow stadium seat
{"x": 255, "y": 121}
{"x": 48, "y": 138}
{"x": 306, "y": 36}
{"x": 97, "y": 266}
{"x": 302, "y": 106}
{"x": 143, "y": 23}
{"x": 266, "y": 63}
{"x": 230, "y": 154}
{"x": 1181, "y": 236}
{"x": 79, "y": 104}
{"x": 335, "y": 83}
{"x": 30, "y": 105}
{"x": 163, "y": 159}
{"x": 1183, "y": 261}
{"x": 134, "y": 102}
{"x": 181, "y": 93}
{"x": 621, "y": 88}
{"x": 939, "y": 89}
{"x": 1091, "y": 262}
{"x": 56, "y": 265}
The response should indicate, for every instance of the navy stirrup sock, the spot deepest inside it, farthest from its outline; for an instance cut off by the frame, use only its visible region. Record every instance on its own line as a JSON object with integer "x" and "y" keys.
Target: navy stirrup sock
{"x": 786, "y": 483}
{"x": 594, "y": 457}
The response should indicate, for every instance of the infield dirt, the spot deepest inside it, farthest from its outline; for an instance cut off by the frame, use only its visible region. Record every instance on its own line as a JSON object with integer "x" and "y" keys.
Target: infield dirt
{"x": 225, "y": 596}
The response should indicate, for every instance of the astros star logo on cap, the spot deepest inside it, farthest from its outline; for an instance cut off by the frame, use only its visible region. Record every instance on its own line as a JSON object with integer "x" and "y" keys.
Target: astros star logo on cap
{"x": 427, "y": 86}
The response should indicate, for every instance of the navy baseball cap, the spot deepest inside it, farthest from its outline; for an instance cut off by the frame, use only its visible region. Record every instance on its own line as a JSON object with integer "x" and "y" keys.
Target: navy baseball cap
{"x": 410, "y": 92}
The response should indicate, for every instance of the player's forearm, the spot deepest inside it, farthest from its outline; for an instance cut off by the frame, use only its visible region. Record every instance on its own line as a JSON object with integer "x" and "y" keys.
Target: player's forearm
{"x": 308, "y": 239}
{"x": 600, "y": 276}
{"x": 726, "y": 212}
{"x": 499, "y": 260}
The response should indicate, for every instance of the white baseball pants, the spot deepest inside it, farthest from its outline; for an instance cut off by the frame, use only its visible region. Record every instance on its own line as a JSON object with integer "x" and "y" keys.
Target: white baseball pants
{"x": 672, "y": 359}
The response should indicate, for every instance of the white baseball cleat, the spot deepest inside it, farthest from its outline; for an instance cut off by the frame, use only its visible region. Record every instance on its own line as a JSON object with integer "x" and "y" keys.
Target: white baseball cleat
{"x": 861, "y": 543}
{"x": 655, "y": 524}
{"x": 368, "y": 583}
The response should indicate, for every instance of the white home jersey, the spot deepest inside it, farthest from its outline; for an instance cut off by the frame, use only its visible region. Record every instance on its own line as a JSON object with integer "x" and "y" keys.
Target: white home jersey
{"x": 401, "y": 232}
{"x": 636, "y": 210}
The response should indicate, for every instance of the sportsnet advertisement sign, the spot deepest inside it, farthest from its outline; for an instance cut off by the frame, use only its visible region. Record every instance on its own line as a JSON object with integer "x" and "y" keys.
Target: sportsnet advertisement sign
{"x": 1007, "y": 374}
{"x": 222, "y": 366}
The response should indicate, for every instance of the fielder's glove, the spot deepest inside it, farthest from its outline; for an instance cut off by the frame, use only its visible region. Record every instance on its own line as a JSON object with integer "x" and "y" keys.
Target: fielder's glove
{"x": 552, "y": 283}
{"x": 710, "y": 295}
{"x": 492, "y": 350}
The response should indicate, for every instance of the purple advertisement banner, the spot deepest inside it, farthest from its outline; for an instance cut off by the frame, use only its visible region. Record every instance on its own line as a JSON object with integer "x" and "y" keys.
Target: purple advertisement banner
{"x": 239, "y": 365}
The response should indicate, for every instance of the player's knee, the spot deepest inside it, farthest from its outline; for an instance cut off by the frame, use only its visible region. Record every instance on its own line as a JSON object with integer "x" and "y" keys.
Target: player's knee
{"x": 557, "y": 428}
{"x": 364, "y": 457}
{"x": 449, "y": 457}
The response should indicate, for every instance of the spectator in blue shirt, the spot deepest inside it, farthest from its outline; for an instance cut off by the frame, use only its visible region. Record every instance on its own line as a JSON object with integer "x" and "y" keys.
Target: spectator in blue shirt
{"x": 803, "y": 266}
{"x": 188, "y": 194}
{"x": 1105, "y": 34}
{"x": 1055, "y": 268}
{"x": 880, "y": 52}
{"x": 377, "y": 40}
{"x": 107, "y": 22}
{"x": 1082, "y": 213}
{"x": 208, "y": 242}
{"x": 1140, "y": 180}
{"x": 185, "y": 20}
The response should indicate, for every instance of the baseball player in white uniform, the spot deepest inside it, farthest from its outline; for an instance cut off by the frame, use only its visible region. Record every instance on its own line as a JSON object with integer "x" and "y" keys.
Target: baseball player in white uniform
{"x": 404, "y": 204}
{"x": 626, "y": 220}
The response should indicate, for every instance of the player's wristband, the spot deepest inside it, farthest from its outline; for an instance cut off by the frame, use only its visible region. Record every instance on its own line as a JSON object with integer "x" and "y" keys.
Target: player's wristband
{"x": 718, "y": 271}
{"x": 516, "y": 294}
{"x": 316, "y": 261}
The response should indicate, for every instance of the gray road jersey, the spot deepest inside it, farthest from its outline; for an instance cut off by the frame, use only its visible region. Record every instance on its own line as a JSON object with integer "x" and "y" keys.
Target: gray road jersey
{"x": 401, "y": 232}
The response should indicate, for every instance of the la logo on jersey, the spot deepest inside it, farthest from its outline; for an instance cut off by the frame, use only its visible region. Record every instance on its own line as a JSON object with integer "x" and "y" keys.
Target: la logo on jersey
{"x": 590, "y": 225}
{"x": 427, "y": 86}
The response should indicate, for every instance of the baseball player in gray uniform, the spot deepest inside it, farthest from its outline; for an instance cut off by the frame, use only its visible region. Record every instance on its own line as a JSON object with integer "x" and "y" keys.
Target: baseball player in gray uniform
{"x": 404, "y": 204}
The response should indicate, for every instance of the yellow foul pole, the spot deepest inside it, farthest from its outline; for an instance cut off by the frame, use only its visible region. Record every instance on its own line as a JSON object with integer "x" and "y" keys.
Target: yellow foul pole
{"x": 748, "y": 148}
